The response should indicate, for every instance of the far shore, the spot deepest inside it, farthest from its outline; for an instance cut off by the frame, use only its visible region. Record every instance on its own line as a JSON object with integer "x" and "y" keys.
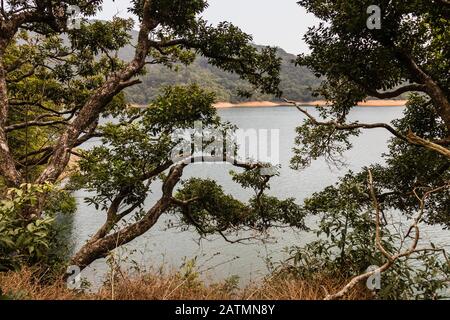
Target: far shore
{"x": 262, "y": 104}
{"x": 269, "y": 104}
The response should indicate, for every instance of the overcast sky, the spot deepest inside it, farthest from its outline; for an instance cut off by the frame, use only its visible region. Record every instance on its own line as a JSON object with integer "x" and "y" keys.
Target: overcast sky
{"x": 279, "y": 23}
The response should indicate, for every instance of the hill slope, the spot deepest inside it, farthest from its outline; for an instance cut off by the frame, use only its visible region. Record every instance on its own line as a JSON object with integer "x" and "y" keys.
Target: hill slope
{"x": 295, "y": 83}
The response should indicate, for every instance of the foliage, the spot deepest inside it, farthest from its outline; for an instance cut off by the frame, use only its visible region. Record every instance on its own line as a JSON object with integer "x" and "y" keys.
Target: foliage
{"x": 137, "y": 152}
{"x": 52, "y": 74}
{"x": 143, "y": 141}
{"x": 407, "y": 166}
{"x": 359, "y": 63}
{"x": 51, "y": 96}
{"x": 58, "y": 84}
{"x": 313, "y": 142}
{"x": 216, "y": 211}
{"x": 24, "y": 241}
{"x": 346, "y": 248}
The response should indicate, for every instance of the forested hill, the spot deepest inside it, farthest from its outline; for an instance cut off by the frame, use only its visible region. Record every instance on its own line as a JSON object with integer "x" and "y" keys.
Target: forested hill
{"x": 296, "y": 81}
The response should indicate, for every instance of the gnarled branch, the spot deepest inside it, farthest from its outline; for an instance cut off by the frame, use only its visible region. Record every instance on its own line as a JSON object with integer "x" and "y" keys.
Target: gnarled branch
{"x": 410, "y": 137}
{"x": 391, "y": 258}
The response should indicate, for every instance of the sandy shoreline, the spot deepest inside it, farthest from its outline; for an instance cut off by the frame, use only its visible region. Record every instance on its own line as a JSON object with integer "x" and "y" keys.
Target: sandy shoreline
{"x": 261, "y": 104}
{"x": 269, "y": 104}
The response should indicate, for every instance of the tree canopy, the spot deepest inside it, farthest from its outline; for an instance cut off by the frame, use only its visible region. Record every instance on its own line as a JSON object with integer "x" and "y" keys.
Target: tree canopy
{"x": 400, "y": 57}
{"x": 408, "y": 54}
{"x": 59, "y": 78}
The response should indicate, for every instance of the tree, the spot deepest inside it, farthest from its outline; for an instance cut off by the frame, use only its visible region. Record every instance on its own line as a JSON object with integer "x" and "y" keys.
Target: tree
{"x": 139, "y": 150}
{"x": 59, "y": 77}
{"x": 358, "y": 239}
{"x": 383, "y": 63}
{"x": 175, "y": 29}
{"x": 409, "y": 54}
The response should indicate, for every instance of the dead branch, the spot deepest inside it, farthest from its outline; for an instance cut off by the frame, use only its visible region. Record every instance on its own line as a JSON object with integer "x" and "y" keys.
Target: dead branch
{"x": 391, "y": 258}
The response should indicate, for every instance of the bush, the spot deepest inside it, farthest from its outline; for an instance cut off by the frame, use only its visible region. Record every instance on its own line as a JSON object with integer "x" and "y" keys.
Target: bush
{"x": 346, "y": 247}
{"x": 30, "y": 240}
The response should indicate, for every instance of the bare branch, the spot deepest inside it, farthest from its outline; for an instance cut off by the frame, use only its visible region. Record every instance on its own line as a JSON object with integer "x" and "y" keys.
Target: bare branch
{"x": 34, "y": 124}
{"x": 410, "y": 138}
{"x": 428, "y": 144}
{"x": 391, "y": 259}
{"x": 352, "y": 126}
{"x": 397, "y": 92}
{"x": 377, "y": 219}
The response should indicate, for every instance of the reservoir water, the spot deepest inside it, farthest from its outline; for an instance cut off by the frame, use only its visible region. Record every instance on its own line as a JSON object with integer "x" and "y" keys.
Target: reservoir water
{"x": 218, "y": 259}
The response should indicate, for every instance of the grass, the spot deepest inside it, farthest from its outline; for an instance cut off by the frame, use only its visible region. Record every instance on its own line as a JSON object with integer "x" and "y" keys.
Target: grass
{"x": 28, "y": 284}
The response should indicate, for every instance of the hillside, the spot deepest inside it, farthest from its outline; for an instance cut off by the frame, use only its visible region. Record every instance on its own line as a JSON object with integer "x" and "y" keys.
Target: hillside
{"x": 296, "y": 81}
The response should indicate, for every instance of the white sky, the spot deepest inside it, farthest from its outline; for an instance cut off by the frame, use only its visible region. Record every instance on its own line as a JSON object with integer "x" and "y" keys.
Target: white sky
{"x": 279, "y": 23}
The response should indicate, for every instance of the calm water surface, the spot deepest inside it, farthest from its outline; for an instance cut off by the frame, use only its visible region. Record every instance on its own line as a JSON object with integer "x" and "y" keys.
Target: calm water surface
{"x": 217, "y": 258}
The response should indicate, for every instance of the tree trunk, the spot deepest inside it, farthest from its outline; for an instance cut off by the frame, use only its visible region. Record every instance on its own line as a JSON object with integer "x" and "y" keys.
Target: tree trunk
{"x": 440, "y": 99}
{"x": 94, "y": 106}
{"x": 99, "y": 247}
{"x": 8, "y": 169}
{"x": 96, "y": 249}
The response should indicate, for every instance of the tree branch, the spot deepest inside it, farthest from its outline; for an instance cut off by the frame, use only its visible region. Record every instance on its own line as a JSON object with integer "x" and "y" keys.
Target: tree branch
{"x": 100, "y": 98}
{"x": 436, "y": 93}
{"x": 397, "y": 92}
{"x": 352, "y": 126}
{"x": 96, "y": 249}
{"x": 410, "y": 138}
{"x": 391, "y": 258}
{"x": 428, "y": 144}
{"x": 34, "y": 124}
